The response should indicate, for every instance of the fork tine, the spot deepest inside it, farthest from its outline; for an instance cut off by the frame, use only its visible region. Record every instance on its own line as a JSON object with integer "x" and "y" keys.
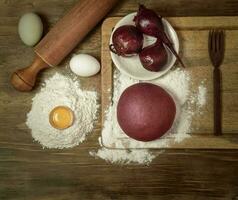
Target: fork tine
{"x": 217, "y": 39}
{"x": 220, "y": 41}
{"x": 216, "y": 46}
{"x": 213, "y": 41}
{"x": 222, "y": 44}
{"x": 216, "y": 36}
{"x": 210, "y": 40}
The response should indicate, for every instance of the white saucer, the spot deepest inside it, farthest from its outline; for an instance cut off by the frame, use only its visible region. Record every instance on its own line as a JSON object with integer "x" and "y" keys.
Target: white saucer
{"x": 132, "y": 66}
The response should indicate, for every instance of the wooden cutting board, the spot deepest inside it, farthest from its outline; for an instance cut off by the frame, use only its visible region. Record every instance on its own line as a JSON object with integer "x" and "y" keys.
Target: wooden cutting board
{"x": 193, "y": 34}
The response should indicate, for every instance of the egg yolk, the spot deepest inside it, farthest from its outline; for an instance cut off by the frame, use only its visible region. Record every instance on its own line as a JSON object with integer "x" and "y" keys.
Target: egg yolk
{"x": 61, "y": 117}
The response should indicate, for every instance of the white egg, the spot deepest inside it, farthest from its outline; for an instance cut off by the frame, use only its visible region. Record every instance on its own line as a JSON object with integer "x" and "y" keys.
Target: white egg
{"x": 84, "y": 65}
{"x": 30, "y": 28}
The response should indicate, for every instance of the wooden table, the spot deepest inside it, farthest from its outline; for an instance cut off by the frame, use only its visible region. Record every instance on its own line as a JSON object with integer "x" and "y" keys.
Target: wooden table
{"x": 29, "y": 172}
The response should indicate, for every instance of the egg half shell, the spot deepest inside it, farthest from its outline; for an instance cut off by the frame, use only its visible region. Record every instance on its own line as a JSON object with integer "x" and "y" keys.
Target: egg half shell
{"x": 30, "y": 28}
{"x": 84, "y": 65}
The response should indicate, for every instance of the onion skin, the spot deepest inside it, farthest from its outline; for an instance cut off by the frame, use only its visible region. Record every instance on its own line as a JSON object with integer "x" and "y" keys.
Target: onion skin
{"x": 154, "y": 57}
{"x": 127, "y": 41}
{"x": 149, "y": 23}
{"x": 145, "y": 111}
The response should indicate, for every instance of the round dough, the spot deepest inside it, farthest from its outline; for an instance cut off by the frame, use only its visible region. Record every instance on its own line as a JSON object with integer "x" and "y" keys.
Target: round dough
{"x": 145, "y": 111}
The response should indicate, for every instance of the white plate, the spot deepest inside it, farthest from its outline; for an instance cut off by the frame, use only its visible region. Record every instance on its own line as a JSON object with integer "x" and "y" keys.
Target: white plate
{"x": 132, "y": 66}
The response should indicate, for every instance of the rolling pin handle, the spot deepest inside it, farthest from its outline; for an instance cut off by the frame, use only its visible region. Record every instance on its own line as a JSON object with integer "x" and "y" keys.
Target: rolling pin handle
{"x": 24, "y": 79}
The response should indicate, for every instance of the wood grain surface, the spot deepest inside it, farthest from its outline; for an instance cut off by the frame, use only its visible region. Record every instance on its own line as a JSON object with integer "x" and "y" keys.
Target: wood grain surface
{"x": 29, "y": 172}
{"x": 193, "y": 35}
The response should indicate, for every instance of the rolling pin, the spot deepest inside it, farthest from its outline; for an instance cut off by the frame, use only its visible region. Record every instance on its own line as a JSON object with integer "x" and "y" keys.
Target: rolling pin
{"x": 61, "y": 39}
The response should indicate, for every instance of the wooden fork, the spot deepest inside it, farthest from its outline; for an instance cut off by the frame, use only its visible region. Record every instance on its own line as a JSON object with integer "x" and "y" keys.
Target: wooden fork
{"x": 216, "y": 52}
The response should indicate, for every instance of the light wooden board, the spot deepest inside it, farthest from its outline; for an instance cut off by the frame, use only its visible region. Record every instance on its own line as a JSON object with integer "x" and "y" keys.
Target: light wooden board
{"x": 193, "y": 34}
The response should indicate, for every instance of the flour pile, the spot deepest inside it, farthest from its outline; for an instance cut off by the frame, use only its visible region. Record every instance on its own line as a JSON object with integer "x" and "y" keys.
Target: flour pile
{"x": 60, "y": 90}
{"x": 177, "y": 82}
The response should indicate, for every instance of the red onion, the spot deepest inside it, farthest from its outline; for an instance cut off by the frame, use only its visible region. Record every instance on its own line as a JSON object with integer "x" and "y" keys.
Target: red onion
{"x": 126, "y": 41}
{"x": 154, "y": 57}
{"x": 148, "y": 22}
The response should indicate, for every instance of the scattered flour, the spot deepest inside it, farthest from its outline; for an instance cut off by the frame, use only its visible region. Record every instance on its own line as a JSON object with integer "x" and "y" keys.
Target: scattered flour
{"x": 201, "y": 99}
{"x": 124, "y": 156}
{"x": 178, "y": 84}
{"x": 61, "y": 90}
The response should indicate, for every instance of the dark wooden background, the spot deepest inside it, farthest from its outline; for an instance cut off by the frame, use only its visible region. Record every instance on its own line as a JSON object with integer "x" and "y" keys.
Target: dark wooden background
{"x": 29, "y": 172}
